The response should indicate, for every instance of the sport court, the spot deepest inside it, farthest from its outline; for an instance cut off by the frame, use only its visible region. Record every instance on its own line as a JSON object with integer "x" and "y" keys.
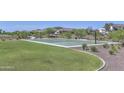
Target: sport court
{"x": 70, "y": 42}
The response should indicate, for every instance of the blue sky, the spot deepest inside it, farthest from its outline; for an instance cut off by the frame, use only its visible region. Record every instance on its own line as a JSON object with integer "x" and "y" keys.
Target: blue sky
{"x": 30, "y": 25}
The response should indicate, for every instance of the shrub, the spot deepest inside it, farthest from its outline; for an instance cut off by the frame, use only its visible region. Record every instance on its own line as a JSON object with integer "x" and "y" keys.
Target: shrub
{"x": 10, "y": 38}
{"x": 122, "y": 44}
{"x": 3, "y": 39}
{"x": 84, "y": 46}
{"x": 87, "y": 48}
{"x": 119, "y": 47}
{"x": 114, "y": 48}
{"x": 106, "y": 45}
{"x": 94, "y": 49}
{"x": 17, "y": 38}
{"x": 111, "y": 52}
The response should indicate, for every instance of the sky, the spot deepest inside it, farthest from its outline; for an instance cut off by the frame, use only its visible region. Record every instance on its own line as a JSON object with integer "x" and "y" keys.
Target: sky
{"x": 31, "y": 25}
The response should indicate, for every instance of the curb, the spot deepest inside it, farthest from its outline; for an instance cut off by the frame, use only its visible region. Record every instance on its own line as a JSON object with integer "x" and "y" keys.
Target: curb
{"x": 45, "y": 43}
{"x": 103, "y": 65}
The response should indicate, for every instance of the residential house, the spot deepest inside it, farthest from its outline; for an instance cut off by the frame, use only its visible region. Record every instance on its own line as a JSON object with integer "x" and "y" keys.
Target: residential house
{"x": 103, "y": 31}
{"x": 116, "y": 27}
{"x": 31, "y": 37}
{"x": 59, "y": 31}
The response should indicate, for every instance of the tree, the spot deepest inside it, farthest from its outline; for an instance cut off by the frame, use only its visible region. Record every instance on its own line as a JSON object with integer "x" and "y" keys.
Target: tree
{"x": 107, "y": 26}
{"x": 21, "y": 34}
{"x": 67, "y": 35}
{"x": 79, "y": 33}
{"x": 50, "y": 30}
{"x": 58, "y": 27}
{"x": 1, "y": 31}
{"x": 4, "y": 32}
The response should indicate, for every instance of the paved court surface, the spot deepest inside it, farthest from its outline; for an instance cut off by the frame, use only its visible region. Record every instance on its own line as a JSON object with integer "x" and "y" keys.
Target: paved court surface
{"x": 70, "y": 42}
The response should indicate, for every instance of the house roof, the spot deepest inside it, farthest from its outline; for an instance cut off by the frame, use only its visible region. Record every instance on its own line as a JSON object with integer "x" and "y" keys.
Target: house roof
{"x": 66, "y": 29}
{"x": 118, "y": 25}
{"x": 101, "y": 29}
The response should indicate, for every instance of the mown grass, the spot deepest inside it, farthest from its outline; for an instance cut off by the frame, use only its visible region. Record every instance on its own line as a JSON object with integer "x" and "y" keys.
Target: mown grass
{"x": 26, "y": 56}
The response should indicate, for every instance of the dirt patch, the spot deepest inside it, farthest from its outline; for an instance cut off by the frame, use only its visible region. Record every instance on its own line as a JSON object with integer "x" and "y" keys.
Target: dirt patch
{"x": 113, "y": 62}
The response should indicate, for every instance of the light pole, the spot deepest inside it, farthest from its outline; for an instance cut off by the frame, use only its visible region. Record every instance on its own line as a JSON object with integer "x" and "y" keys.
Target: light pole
{"x": 95, "y": 38}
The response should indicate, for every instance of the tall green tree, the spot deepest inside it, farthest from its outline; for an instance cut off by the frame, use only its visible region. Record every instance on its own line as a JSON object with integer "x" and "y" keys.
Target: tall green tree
{"x": 50, "y": 30}
{"x": 80, "y": 33}
{"x": 1, "y": 31}
{"x": 107, "y": 26}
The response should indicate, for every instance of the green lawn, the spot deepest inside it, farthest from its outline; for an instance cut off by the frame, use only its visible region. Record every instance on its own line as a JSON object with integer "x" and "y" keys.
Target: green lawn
{"x": 24, "y": 56}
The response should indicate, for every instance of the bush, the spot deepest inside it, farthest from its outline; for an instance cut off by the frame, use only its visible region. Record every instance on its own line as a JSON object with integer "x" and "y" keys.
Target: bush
{"x": 106, "y": 45}
{"x": 10, "y": 38}
{"x": 17, "y": 38}
{"x": 114, "y": 48}
{"x": 111, "y": 52}
{"x": 122, "y": 44}
{"x": 94, "y": 49}
{"x": 84, "y": 46}
{"x": 3, "y": 39}
{"x": 119, "y": 47}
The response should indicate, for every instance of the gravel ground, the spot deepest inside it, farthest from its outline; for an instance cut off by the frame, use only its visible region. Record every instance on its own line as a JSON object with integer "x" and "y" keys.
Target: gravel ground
{"x": 113, "y": 62}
